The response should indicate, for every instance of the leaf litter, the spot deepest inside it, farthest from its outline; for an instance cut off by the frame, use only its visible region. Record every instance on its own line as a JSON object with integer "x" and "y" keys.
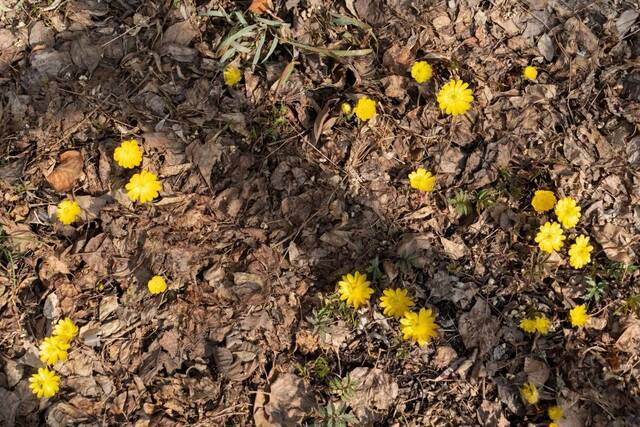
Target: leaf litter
{"x": 271, "y": 194}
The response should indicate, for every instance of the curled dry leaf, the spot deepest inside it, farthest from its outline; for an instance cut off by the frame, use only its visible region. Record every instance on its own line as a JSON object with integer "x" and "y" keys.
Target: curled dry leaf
{"x": 536, "y": 370}
{"x": 67, "y": 172}
{"x": 479, "y": 328}
{"x": 290, "y": 400}
{"x": 629, "y": 341}
{"x": 375, "y": 390}
{"x": 260, "y": 6}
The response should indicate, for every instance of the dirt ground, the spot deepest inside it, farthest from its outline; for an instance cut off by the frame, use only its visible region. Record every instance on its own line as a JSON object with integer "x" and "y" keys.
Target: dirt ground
{"x": 270, "y": 194}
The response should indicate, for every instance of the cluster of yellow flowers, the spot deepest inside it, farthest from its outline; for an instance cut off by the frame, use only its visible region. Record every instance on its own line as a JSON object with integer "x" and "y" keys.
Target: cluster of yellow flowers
{"x": 578, "y": 317}
{"x": 142, "y": 187}
{"x": 556, "y": 413}
{"x": 419, "y": 327}
{"x": 454, "y": 98}
{"x": 530, "y": 394}
{"x": 550, "y": 237}
{"x": 45, "y": 382}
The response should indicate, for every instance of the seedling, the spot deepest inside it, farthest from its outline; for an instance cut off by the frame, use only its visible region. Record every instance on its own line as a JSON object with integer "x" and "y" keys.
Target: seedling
{"x": 595, "y": 289}
{"x": 461, "y": 202}
{"x": 630, "y": 305}
{"x": 344, "y": 388}
{"x": 374, "y": 270}
{"x": 335, "y": 415}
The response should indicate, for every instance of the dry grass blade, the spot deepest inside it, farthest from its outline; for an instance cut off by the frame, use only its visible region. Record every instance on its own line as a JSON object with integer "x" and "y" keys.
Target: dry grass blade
{"x": 245, "y": 32}
{"x": 334, "y": 53}
{"x": 256, "y": 57}
{"x": 272, "y": 49}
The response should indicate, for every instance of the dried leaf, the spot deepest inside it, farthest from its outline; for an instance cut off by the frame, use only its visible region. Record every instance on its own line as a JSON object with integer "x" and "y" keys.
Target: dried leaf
{"x": 9, "y": 407}
{"x": 453, "y": 249}
{"x": 445, "y": 355}
{"x": 67, "y": 172}
{"x": 84, "y": 54}
{"x": 479, "y": 328}
{"x": 536, "y": 370}
{"x": 321, "y": 123}
{"x": 490, "y": 415}
{"x": 260, "y": 6}
{"x": 236, "y": 362}
{"x": 629, "y": 341}
{"x": 290, "y": 402}
{"x": 545, "y": 46}
{"x": 625, "y": 21}
{"x": 616, "y": 243}
{"x": 333, "y": 336}
{"x": 180, "y": 33}
{"x": 374, "y": 390}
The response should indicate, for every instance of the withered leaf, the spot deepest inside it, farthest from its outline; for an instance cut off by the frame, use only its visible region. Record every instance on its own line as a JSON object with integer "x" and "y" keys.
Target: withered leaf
{"x": 375, "y": 389}
{"x": 625, "y": 21}
{"x": 180, "y": 33}
{"x": 616, "y": 243}
{"x": 629, "y": 341}
{"x": 67, "y": 172}
{"x": 545, "y": 46}
{"x": 536, "y": 370}
{"x": 260, "y": 6}
{"x": 290, "y": 401}
{"x": 479, "y": 328}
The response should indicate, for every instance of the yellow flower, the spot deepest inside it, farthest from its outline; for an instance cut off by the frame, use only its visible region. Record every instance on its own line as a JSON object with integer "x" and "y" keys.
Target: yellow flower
{"x": 395, "y": 302}
{"x": 455, "y": 98}
{"x": 529, "y": 393}
{"x": 355, "y": 289}
{"x": 419, "y": 327}
{"x": 543, "y": 201}
{"x": 231, "y": 75}
{"x": 65, "y": 329}
{"x": 44, "y": 383}
{"x": 421, "y": 71}
{"x": 543, "y": 325}
{"x": 528, "y": 325}
{"x": 550, "y": 237}
{"x": 143, "y": 186}
{"x": 422, "y": 180}
{"x": 554, "y": 425}
{"x": 568, "y": 212}
{"x": 345, "y": 107}
{"x": 365, "y": 109}
{"x": 68, "y": 211}
{"x": 537, "y": 324}
{"x": 53, "y": 349}
{"x": 555, "y": 412}
{"x": 578, "y": 316}
{"x": 580, "y": 252}
{"x": 157, "y": 285}
{"x": 128, "y": 154}
{"x": 530, "y": 72}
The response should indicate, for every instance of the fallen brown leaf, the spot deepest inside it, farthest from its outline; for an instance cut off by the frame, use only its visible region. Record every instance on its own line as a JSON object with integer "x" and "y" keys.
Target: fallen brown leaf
{"x": 290, "y": 401}
{"x": 479, "y": 328}
{"x": 67, "y": 172}
{"x": 260, "y": 6}
{"x": 375, "y": 390}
